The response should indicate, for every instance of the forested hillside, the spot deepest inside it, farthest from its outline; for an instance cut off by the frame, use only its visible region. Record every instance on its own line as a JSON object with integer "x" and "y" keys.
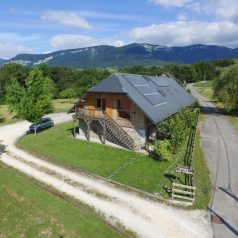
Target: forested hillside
{"x": 69, "y": 83}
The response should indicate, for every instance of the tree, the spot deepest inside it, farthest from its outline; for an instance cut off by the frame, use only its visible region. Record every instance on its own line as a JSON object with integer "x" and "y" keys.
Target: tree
{"x": 226, "y": 88}
{"x": 32, "y": 101}
{"x": 9, "y": 71}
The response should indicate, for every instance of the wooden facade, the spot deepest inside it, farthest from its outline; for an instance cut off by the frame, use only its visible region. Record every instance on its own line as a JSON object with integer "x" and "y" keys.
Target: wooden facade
{"x": 117, "y": 106}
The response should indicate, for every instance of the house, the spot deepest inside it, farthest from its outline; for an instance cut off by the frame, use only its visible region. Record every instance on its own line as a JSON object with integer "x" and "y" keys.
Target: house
{"x": 124, "y": 108}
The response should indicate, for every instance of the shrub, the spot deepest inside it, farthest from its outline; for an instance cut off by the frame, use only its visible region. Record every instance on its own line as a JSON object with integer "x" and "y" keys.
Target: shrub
{"x": 162, "y": 148}
{"x": 67, "y": 93}
{"x": 176, "y": 127}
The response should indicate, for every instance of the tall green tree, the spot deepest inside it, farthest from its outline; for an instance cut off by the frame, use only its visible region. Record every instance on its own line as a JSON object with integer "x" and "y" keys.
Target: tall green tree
{"x": 32, "y": 101}
{"x": 9, "y": 71}
{"x": 226, "y": 88}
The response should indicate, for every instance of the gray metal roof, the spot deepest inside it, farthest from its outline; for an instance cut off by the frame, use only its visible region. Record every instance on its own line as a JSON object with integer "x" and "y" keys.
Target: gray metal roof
{"x": 157, "y": 97}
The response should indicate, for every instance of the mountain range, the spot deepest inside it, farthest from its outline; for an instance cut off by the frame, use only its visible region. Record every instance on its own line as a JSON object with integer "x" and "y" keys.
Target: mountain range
{"x": 2, "y": 60}
{"x": 129, "y": 55}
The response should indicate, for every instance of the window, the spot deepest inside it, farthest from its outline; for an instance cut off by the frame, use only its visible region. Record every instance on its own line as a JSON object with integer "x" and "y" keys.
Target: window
{"x": 123, "y": 107}
{"x": 99, "y": 103}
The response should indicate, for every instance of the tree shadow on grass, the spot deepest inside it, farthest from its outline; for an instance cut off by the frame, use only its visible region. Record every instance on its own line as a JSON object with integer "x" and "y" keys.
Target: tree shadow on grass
{"x": 171, "y": 178}
{"x": 2, "y": 119}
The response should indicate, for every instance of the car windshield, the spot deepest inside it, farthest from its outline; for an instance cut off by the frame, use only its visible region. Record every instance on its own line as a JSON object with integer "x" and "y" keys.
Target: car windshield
{"x": 44, "y": 120}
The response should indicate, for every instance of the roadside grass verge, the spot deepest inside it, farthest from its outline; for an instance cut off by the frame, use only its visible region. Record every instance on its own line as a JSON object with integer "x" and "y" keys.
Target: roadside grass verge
{"x": 127, "y": 167}
{"x": 208, "y": 83}
{"x": 30, "y": 211}
{"x": 202, "y": 176}
{"x": 208, "y": 93}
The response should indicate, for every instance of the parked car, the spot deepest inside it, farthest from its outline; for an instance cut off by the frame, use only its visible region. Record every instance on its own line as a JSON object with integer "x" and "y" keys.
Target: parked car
{"x": 43, "y": 124}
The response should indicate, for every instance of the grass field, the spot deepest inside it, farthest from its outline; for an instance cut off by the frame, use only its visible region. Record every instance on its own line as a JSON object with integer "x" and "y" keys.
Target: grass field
{"x": 123, "y": 166}
{"x": 30, "y": 211}
{"x": 63, "y": 105}
{"x": 5, "y": 116}
{"x": 208, "y": 93}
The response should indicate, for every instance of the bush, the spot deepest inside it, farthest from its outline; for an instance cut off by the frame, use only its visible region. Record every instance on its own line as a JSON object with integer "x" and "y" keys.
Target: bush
{"x": 162, "y": 148}
{"x": 226, "y": 88}
{"x": 67, "y": 93}
{"x": 176, "y": 127}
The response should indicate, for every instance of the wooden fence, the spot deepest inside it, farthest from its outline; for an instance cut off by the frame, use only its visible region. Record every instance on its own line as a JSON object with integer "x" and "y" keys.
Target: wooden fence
{"x": 183, "y": 193}
{"x": 186, "y": 192}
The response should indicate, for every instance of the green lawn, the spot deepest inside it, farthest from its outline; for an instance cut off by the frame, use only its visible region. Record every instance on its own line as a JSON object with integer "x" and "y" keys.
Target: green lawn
{"x": 208, "y": 93}
{"x": 30, "y": 211}
{"x": 123, "y": 166}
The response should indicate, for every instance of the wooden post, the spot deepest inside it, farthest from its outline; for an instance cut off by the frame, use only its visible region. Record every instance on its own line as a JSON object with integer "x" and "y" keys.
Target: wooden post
{"x": 88, "y": 129}
{"x": 79, "y": 126}
{"x": 104, "y": 132}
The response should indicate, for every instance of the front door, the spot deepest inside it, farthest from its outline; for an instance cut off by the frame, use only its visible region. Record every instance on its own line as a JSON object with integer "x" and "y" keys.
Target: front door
{"x": 101, "y": 104}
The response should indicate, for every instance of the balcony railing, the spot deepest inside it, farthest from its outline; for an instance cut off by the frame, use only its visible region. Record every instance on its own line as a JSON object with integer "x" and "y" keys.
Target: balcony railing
{"x": 83, "y": 112}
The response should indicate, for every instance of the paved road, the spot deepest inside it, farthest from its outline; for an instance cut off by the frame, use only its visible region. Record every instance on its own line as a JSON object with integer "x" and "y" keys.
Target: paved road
{"x": 219, "y": 141}
{"x": 145, "y": 217}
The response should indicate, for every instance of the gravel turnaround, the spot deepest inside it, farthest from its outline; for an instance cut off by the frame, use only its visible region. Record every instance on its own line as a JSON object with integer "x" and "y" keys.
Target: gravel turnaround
{"x": 144, "y": 217}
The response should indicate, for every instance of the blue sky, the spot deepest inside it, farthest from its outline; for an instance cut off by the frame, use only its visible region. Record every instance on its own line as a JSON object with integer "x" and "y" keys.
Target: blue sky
{"x": 50, "y": 25}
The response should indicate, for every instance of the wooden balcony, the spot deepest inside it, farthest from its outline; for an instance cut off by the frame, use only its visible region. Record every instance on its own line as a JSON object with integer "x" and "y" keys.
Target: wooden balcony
{"x": 89, "y": 113}
{"x": 100, "y": 115}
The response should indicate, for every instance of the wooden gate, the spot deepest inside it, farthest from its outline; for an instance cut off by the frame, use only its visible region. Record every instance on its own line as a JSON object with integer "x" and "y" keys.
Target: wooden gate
{"x": 183, "y": 193}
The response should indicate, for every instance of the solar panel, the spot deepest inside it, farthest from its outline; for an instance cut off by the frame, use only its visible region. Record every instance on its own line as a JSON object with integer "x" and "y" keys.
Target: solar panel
{"x": 155, "y": 99}
{"x": 162, "y": 92}
{"x": 146, "y": 90}
{"x": 136, "y": 80}
{"x": 159, "y": 82}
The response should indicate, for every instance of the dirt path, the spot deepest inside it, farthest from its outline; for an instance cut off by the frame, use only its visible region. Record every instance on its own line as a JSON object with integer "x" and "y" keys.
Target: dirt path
{"x": 219, "y": 141}
{"x": 146, "y": 218}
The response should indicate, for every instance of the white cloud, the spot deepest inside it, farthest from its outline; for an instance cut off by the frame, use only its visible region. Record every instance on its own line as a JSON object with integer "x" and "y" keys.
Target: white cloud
{"x": 116, "y": 43}
{"x": 222, "y": 8}
{"x": 10, "y": 50}
{"x": 66, "y": 41}
{"x": 171, "y": 3}
{"x": 66, "y": 18}
{"x": 186, "y": 33}
{"x": 181, "y": 17}
{"x": 70, "y": 41}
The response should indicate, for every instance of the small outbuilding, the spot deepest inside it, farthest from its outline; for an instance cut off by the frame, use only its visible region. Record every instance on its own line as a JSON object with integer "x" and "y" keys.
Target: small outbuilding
{"x": 124, "y": 108}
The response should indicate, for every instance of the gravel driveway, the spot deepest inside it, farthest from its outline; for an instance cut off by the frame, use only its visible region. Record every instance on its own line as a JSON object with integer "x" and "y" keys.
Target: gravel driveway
{"x": 219, "y": 141}
{"x": 144, "y": 217}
